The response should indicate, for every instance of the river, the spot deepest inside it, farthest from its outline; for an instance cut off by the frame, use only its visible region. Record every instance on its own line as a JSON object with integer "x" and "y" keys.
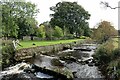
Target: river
{"x": 78, "y": 61}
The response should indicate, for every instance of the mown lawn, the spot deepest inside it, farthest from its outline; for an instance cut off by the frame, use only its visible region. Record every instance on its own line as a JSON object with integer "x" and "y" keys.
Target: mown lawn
{"x": 27, "y": 44}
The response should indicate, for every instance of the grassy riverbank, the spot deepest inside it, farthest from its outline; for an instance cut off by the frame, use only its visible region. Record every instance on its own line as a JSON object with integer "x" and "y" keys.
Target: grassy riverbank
{"x": 27, "y": 44}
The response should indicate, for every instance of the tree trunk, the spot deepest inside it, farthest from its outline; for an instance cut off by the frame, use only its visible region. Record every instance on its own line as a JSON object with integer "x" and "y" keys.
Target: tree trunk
{"x": 31, "y": 37}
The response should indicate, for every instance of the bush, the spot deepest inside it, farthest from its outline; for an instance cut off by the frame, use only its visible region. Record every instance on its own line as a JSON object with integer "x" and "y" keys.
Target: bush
{"x": 82, "y": 37}
{"x": 68, "y": 36}
{"x": 110, "y": 59}
{"x": 41, "y": 32}
{"x": 7, "y": 52}
{"x": 58, "y": 32}
{"x": 104, "y": 32}
{"x": 102, "y": 56}
{"x": 116, "y": 53}
{"x": 105, "y": 52}
{"x": 113, "y": 68}
{"x": 49, "y": 33}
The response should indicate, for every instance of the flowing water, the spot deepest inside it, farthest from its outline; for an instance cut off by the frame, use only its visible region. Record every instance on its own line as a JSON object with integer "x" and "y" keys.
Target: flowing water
{"x": 80, "y": 63}
{"x": 85, "y": 71}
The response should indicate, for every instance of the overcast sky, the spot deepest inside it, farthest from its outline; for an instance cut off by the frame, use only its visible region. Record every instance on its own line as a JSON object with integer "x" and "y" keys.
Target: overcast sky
{"x": 98, "y": 13}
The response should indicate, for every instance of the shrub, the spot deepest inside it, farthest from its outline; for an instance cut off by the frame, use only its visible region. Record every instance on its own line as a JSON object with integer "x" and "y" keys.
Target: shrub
{"x": 41, "y": 32}
{"x": 68, "y": 36}
{"x": 7, "y": 52}
{"x": 109, "y": 56}
{"x": 102, "y": 56}
{"x": 113, "y": 68}
{"x": 49, "y": 33}
{"x": 104, "y": 32}
{"x": 82, "y": 37}
{"x": 116, "y": 53}
{"x": 58, "y": 32}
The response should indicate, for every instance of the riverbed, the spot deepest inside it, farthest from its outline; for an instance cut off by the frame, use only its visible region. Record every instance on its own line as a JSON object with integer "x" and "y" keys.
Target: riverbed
{"x": 76, "y": 63}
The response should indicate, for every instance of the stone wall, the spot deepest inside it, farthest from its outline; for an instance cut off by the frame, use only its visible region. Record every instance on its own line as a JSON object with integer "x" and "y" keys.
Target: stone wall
{"x": 33, "y": 51}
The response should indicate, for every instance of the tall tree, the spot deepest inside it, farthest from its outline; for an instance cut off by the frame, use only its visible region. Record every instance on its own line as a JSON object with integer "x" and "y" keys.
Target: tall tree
{"x": 18, "y": 18}
{"x": 69, "y": 15}
{"x": 49, "y": 31}
{"x": 104, "y": 31}
{"x": 9, "y": 27}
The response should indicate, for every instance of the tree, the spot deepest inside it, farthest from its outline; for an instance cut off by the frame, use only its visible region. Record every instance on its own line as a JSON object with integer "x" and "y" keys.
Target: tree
{"x": 58, "y": 32}
{"x": 87, "y": 30}
{"x": 41, "y": 32}
{"x": 104, "y": 31}
{"x": 18, "y": 18}
{"x": 106, "y": 5}
{"x": 9, "y": 27}
{"x": 69, "y": 15}
{"x": 49, "y": 31}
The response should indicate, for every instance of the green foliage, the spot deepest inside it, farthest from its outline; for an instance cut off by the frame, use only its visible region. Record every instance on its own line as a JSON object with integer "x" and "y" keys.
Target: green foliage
{"x": 113, "y": 68}
{"x": 70, "y": 15}
{"x": 48, "y": 30}
{"x": 116, "y": 53}
{"x": 82, "y": 37}
{"x": 102, "y": 56}
{"x": 49, "y": 33}
{"x": 58, "y": 32}
{"x": 108, "y": 55}
{"x": 68, "y": 36}
{"x": 9, "y": 27}
{"x": 105, "y": 52}
{"x": 7, "y": 52}
{"x": 41, "y": 32}
{"x": 87, "y": 31}
{"x": 18, "y": 19}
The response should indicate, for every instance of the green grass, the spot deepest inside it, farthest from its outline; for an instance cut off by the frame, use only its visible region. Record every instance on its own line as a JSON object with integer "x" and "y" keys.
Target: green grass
{"x": 27, "y": 44}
